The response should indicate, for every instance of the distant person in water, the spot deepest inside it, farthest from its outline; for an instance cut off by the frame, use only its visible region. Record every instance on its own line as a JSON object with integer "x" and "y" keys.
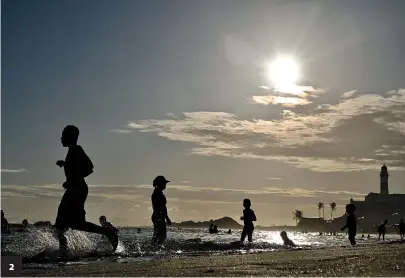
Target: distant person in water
{"x": 139, "y": 230}
{"x": 24, "y": 225}
{"x": 215, "y": 229}
{"x": 401, "y": 227}
{"x": 159, "y": 217}
{"x": 248, "y": 218}
{"x": 286, "y": 240}
{"x": 351, "y": 223}
{"x": 382, "y": 230}
{"x": 211, "y": 228}
{"x": 104, "y": 223}
{"x": 4, "y": 223}
{"x": 71, "y": 213}
{"x": 229, "y": 231}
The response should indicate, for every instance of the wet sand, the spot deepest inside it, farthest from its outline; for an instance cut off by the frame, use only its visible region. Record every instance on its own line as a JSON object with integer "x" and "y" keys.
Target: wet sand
{"x": 373, "y": 260}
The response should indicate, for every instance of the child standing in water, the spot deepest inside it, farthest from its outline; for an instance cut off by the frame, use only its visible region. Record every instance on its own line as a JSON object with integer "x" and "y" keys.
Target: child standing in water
{"x": 401, "y": 226}
{"x": 382, "y": 230}
{"x": 71, "y": 213}
{"x": 159, "y": 216}
{"x": 351, "y": 223}
{"x": 248, "y": 218}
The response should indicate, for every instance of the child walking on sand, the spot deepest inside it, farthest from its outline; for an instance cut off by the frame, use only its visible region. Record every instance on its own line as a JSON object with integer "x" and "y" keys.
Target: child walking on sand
{"x": 351, "y": 223}
{"x": 248, "y": 218}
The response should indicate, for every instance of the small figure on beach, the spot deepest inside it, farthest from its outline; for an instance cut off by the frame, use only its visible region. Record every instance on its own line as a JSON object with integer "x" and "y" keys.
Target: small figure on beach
{"x": 351, "y": 223}
{"x": 4, "y": 223}
{"x": 248, "y": 218}
{"x": 104, "y": 223}
{"x": 71, "y": 212}
{"x": 286, "y": 241}
{"x": 159, "y": 216}
{"x": 382, "y": 230}
{"x": 229, "y": 231}
{"x": 401, "y": 227}
{"x": 213, "y": 229}
{"x": 24, "y": 225}
{"x": 139, "y": 230}
{"x": 368, "y": 236}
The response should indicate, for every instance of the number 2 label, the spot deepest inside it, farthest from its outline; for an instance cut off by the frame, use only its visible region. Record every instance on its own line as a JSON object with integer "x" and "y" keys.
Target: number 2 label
{"x": 11, "y": 266}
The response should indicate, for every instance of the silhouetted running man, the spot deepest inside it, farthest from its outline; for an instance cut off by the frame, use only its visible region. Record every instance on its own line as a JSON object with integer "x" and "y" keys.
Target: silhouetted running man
{"x": 248, "y": 218}
{"x": 71, "y": 213}
{"x": 286, "y": 240}
{"x": 351, "y": 223}
{"x": 4, "y": 223}
{"x": 382, "y": 230}
{"x": 401, "y": 227}
{"x": 159, "y": 216}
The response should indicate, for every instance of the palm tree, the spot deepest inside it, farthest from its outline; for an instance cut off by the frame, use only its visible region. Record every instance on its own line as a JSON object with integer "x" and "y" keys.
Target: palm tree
{"x": 333, "y": 208}
{"x": 297, "y": 215}
{"x": 321, "y": 206}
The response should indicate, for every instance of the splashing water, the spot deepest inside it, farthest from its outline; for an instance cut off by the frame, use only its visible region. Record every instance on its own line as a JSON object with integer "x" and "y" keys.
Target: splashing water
{"x": 41, "y": 245}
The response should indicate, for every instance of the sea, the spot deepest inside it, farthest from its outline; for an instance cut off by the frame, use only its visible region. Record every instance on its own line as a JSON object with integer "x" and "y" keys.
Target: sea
{"x": 39, "y": 247}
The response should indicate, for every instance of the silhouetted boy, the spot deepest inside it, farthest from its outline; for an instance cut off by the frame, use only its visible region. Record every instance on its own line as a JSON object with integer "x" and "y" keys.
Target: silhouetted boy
{"x": 71, "y": 213}
{"x": 351, "y": 223}
{"x": 286, "y": 240}
{"x": 382, "y": 230}
{"x": 159, "y": 216}
{"x": 401, "y": 226}
{"x": 248, "y": 218}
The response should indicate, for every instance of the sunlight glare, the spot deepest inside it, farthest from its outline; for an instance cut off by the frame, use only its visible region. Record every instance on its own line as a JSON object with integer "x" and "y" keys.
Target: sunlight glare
{"x": 283, "y": 72}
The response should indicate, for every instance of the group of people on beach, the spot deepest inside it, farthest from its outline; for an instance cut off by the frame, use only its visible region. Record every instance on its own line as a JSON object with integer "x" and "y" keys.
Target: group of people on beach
{"x": 71, "y": 212}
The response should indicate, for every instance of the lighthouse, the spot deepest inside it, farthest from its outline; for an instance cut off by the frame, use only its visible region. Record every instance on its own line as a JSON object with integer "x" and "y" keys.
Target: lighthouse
{"x": 384, "y": 180}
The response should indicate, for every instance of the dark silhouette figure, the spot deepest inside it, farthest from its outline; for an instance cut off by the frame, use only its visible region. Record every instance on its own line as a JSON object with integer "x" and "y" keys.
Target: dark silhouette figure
{"x": 248, "y": 218}
{"x": 229, "y": 231}
{"x": 401, "y": 227}
{"x": 24, "y": 225}
{"x": 4, "y": 223}
{"x": 104, "y": 223}
{"x": 215, "y": 229}
{"x": 71, "y": 213}
{"x": 368, "y": 236}
{"x": 351, "y": 223}
{"x": 382, "y": 230}
{"x": 286, "y": 240}
{"x": 159, "y": 216}
{"x": 211, "y": 228}
{"x": 139, "y": 230}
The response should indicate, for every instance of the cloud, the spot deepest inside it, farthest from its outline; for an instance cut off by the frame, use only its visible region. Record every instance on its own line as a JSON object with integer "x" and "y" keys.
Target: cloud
{"x": 346, "y": 136}
{"x": 349, "y": 94}
{"x": 285, "y": 101}
{"x": 22, "y": 170}
{"x": 117, "y": 130}
{"x": 296, "y": 95}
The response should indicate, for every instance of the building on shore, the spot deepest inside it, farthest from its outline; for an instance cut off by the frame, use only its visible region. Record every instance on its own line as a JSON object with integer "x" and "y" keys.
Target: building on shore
{"x": 374, "y": 209}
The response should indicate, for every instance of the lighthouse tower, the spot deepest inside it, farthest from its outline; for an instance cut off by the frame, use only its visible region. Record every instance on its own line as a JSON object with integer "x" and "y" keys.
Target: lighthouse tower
{"x": 384, "y": 180}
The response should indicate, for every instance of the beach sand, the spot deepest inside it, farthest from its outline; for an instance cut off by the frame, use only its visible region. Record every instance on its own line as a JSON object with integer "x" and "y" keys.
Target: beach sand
{"x": 373, "y": 260}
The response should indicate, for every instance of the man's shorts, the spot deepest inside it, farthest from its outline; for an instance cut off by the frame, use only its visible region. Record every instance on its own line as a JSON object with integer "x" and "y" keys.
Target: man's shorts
{"x": 71, "y": 213}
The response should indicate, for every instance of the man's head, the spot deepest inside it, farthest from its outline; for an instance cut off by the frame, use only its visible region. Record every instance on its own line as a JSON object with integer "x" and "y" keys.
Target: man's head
{"x": 103, "y": 219}
{"x": 160, "y": 182}
{"x": 70, "y": 134}
{"x": 350, "y": 208}
{"x": 246, "y": 203}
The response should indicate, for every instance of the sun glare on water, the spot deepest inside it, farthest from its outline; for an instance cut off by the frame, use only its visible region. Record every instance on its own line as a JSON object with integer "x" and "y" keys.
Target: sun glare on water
{"x": 283, "y": 72}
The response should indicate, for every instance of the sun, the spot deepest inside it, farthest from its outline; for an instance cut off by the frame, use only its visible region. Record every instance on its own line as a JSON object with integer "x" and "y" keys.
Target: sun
{"x": 283, "y": 72}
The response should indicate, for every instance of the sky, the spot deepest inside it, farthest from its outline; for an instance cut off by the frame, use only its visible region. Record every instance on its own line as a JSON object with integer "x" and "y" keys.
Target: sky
{"x": 182, "y": 89}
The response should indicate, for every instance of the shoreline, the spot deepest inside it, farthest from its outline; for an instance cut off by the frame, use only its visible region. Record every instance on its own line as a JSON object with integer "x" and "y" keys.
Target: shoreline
{"x": 361, "y": 260}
